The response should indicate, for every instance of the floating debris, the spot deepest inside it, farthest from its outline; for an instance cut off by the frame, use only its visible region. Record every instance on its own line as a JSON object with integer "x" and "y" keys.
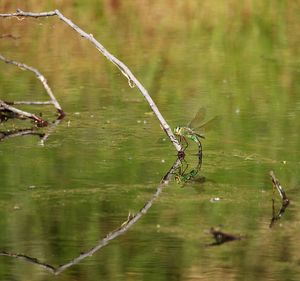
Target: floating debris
{"x": 222, "y": 237}
{"x": 215, "y": 199}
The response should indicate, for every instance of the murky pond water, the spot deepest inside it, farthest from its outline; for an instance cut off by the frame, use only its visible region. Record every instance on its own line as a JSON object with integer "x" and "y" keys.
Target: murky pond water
{"x": 104, "y": 161}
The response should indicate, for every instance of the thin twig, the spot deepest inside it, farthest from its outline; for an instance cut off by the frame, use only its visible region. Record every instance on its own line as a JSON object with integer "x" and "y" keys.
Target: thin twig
{"x": 132, "y": 80}
{"x": 29, "y": 102}
{"x": 40, "y": 77}
{"x": 23, "y": 113}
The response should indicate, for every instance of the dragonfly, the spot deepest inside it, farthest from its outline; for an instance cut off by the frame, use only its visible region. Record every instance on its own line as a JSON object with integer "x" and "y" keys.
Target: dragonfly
{"x": 183, "y": 175}
{"x": 191, "y": 131}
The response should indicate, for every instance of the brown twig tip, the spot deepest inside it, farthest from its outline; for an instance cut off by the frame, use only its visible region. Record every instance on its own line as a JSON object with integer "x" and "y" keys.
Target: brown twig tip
{"x": 278, "y": 186}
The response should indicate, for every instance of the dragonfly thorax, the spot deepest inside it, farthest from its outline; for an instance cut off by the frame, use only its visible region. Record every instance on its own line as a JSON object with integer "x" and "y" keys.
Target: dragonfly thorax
{"x": 181, "y": 131}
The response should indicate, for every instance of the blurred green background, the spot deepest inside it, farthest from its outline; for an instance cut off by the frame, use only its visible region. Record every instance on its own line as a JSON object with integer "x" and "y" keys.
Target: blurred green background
{"x": 237, "y": 59}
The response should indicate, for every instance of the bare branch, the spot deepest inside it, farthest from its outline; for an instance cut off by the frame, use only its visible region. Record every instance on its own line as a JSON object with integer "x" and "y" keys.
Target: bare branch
{"x": 40, "y": 77}
{"x": 20, "y": 13}
{"x": 29, "y": 102}
{"x": 39, "y": 120}
{"x": 132, "y": 80}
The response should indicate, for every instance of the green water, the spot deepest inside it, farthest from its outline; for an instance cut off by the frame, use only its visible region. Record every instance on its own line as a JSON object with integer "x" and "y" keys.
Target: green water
{"x": 107, "y": 156}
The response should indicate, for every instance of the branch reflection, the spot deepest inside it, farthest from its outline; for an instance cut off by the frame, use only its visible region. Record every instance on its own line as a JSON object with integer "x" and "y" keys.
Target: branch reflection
{"x": 124, "y": 227}
{"x": 33, "y": 131}
{"x": 277, "y": 216}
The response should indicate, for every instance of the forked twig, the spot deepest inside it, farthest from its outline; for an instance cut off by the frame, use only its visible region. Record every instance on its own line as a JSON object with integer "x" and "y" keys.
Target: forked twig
{"x": 41, "y": 78}
{"x": 132, "y": 80}
{"x": 19, "y": 112}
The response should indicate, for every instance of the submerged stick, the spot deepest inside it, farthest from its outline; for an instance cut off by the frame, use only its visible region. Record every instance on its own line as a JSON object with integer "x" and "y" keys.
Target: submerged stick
{"x": 132, "y": 80}
{"x": 40, "y": 77}
{"x": 278, "y": 186}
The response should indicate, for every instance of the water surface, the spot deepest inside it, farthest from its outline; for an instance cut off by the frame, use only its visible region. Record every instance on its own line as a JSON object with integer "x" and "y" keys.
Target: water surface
{"x": 107, "y": 156}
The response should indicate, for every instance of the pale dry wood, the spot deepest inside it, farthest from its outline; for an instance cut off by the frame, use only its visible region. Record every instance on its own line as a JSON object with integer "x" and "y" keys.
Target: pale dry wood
{"x": 20, "y": 112}
{"x": 132, "y": 80}
{"x": 40, "y": 77}
{"x": 28, "y": 102}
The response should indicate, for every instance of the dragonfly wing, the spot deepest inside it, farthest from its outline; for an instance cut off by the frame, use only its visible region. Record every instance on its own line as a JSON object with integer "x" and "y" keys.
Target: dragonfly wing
{"x": 199, "y": 117}
{"x": 207, "y": 126}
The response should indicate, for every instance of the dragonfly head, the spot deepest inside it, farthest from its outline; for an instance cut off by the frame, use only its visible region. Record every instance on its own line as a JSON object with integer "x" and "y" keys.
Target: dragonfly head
{"x": 177, "y": 131}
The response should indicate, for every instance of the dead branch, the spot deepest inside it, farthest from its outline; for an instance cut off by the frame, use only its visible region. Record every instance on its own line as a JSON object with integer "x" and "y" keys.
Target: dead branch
{"x": 40, "y": 77}
{"x": 132, "y": 80}
{"x": 28, "y": 102}
{"x": 19, "y": 112}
